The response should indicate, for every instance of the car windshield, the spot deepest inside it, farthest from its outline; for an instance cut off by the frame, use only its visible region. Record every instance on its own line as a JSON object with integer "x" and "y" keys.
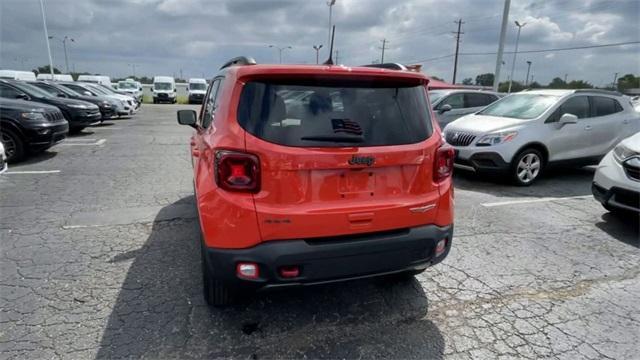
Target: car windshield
{"x": 32, "y": 90}
{"x": 127, "y": 85}
{"x": 315, "y": 113}
{"x": 435, "y": 95}
{"x": 520, "y": 106}
{"x": 197, "y": 86}
{"x": 98, "y": 89}
{"x": 162, "y": 86}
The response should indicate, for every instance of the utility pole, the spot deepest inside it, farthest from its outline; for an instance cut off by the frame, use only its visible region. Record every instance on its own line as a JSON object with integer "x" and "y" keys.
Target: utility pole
{"x": 181, "y": 73}
{"x": 615, "y": 81}
{"x": 526, "y": 81}
{"x": 503, "y": 33}
{"x": 46, "y": 37}
{"x": 384, "y": 46}
{"x": 455, "y": 61}
{"x": 330, "y": 3}
{"x": 337, "y": 54}
{"x": 565, "y": 78}
{"x": 317, "y": 49}
{"x": 515, "y": 54}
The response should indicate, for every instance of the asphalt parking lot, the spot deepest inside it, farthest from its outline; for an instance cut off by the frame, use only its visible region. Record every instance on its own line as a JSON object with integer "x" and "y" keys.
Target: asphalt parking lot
{"x": 99, "y": 258}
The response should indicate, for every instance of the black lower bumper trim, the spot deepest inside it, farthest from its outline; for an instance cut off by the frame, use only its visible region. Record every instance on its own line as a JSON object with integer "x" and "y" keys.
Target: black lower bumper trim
{"x": 332, "y": 261}
{"x": 616, "y": 197}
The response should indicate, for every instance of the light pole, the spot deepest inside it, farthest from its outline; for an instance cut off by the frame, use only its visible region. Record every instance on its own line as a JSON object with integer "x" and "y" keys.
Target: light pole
{"x": 64, "y": 46}
{"x": 503, "y": 33}
{"x": 330, "y": 3}
{"x": 46, "y": 37}
{"x": 280, "y": 50}
{"x": 317, "y": 49}
{"x": 526, "y": 81}
{"x": 515, "y": 54}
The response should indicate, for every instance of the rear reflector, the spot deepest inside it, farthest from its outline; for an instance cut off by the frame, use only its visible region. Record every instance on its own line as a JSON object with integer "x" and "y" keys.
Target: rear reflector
{"x": 443, "y": 163}
{"x": 247, "y": 270}
{"x": 441, "y": 246}
{"x": 289, "y": 272}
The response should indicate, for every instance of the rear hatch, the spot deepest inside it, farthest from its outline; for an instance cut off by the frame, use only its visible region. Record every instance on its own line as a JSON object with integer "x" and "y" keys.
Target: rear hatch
{"x": 340, "y": 156}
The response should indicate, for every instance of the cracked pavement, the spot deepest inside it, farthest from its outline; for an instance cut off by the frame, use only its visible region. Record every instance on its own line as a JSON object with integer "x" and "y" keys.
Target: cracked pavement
{"x": 102, "y": 260}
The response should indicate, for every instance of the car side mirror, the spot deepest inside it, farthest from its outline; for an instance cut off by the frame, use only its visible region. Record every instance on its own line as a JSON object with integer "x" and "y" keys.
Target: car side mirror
{"x": 445, "y": 108}
{"x": 187, "y": 117}
{"x": 175, "y": 90}
{"x": 567, "y": 119}
{"x": 22, "y": 96}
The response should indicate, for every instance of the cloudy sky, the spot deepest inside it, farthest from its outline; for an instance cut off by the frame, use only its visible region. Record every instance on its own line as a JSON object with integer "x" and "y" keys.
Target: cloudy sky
{"x": 196, "y": 36}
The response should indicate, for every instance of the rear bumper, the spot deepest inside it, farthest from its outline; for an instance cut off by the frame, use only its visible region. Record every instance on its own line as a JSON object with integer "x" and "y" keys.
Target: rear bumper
{"x": 332, "y": 259}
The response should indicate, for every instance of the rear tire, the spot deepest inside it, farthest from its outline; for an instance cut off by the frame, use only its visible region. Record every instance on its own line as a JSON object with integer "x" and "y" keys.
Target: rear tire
{"x": 526, "y": 167}
{"x": 13, "y": 145}
{"x": 215, "y": 292}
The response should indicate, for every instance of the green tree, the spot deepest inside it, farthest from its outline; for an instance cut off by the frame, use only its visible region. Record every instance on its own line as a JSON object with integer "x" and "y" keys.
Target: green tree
{"x": 467, "y": 81}
{"x": 557, "y": 83}
{"x": 45, "y": 70}
{"x": 515, "y": 86}
{"x": 628, "y": 81}
{"x": 485, "y": 79}
{"x": 437, "y": 78}
{"x": 535, "y": 85}
{"x": 579, "y": 84}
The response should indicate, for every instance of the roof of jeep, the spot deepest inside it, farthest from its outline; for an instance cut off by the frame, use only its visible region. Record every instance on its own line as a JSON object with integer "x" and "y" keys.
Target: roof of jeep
{"x": 315, "y": 70}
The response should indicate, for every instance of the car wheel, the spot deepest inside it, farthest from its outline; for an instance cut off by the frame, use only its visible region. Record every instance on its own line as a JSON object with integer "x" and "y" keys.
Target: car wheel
{"x": 526, "y": 167}
{"x": 13, "y": 145}
{"x": 216, "y": 293}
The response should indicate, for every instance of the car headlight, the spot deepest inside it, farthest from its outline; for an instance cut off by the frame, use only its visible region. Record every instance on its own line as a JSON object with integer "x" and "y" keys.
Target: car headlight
{"x": 497, "y": 138}
{"x": 622, "y": 153}
{"x": 32, "y": 116}
{"x": 78, "y": 106}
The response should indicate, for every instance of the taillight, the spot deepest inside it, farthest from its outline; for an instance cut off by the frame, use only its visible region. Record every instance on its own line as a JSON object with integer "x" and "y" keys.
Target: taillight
{"x": 443, "y": 163}
{"x": 237, "y": 171}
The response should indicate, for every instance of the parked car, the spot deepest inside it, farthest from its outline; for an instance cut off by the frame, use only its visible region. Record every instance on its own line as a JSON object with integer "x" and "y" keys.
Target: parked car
{"x": 29, "y": 127}
{"x": 124, "y": 95}
{"x": 3, "y": 159}
{"x": 17, "y": 75}
{"x": 452, "y": 104}
{"x": 196, "y": 90}
{"x": 107, "y": 106}
{"x": 358, "y": 184}
{"x": 616, "y": 184}
{"x": 164, "y": 89}
{"x": 78, "y": 113}
{"x": 523, "y": 133}
{"x": 96, "y": 79}
{"x": 123, "y": 107}
{"x": 56, "y": 77}
{"x": 132, "y": 88}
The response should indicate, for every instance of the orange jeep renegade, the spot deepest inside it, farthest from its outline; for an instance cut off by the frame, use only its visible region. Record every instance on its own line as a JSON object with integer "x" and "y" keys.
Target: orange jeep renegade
{"x": 313, "y": 174}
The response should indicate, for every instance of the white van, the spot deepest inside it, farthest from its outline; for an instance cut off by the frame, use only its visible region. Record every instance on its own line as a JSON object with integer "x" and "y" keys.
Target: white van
{"x": 164, "y": 89}
{"x": 196, "y": 90}
{"x": 17, "y": 75}
{"x": 96, "y": 79}
{"x": 56, "y": 77}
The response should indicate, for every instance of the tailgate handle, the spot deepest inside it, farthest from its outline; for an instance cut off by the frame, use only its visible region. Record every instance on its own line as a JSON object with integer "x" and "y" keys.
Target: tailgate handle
{"x": 361, "y": 218}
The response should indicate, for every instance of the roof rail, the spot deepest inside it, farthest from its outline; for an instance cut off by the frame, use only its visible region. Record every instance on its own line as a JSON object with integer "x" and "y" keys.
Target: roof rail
{"x": 240, "y": 60}
{"x": 390, "y": 66}
{"x": 599, "y": 91}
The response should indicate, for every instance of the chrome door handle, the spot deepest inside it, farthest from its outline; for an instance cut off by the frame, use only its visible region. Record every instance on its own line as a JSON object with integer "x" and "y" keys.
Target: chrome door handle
{"x": 588, "y": 127}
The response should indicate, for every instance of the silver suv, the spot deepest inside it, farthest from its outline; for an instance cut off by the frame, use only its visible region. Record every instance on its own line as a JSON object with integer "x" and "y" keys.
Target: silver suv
{"x": 452, "y": 104}
{"x": 523, "y": 133}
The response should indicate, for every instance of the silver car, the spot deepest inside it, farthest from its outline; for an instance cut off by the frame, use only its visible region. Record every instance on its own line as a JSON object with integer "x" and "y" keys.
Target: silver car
{"x": 523, "y": 133}
{"x": 452, "y": 104}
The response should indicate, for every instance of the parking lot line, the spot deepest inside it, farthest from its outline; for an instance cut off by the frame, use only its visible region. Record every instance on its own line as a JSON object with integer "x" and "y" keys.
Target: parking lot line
{"x": 96, "y": 143}
{"x": 32, "y": 172}
{"x": 528, "y": 201}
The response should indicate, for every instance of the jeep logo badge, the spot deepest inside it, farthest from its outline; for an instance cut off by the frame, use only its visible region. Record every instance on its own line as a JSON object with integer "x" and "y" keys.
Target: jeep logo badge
{"x": 362, "y": 160}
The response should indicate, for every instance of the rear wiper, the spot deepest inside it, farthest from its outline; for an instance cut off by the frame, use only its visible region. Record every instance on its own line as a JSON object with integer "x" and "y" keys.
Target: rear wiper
{"x": 336, "y": 138}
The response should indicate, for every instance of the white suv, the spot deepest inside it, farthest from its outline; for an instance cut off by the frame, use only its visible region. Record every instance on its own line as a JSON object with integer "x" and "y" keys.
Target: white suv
{"x": 523, "y": 133}
{"x": 616, "y": 183}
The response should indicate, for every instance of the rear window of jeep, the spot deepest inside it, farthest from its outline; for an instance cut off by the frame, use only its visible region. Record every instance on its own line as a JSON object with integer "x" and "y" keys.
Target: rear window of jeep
{"x": 335, "y": 114}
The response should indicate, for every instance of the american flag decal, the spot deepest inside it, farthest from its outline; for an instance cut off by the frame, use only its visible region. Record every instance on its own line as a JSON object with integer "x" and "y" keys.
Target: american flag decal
{"x": 346, "y": 126}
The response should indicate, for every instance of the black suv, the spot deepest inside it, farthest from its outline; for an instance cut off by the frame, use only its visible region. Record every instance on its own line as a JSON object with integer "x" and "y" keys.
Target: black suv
{"x": 80, "y": 114}
{"x": 107, "y": 108}
{"x": 29, "y": 127}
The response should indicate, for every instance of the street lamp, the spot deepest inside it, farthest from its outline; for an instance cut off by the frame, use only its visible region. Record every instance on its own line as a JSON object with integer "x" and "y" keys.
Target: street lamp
{"x": 330, "y": 3}
{"x": 46, "y": 37}
{"x": 317, "y": 49}
{"x": 280, "y": 50}
{"x": 64, "y": 45}
{"x": 513, "y": 64}
{"x": 526, "y": 82}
